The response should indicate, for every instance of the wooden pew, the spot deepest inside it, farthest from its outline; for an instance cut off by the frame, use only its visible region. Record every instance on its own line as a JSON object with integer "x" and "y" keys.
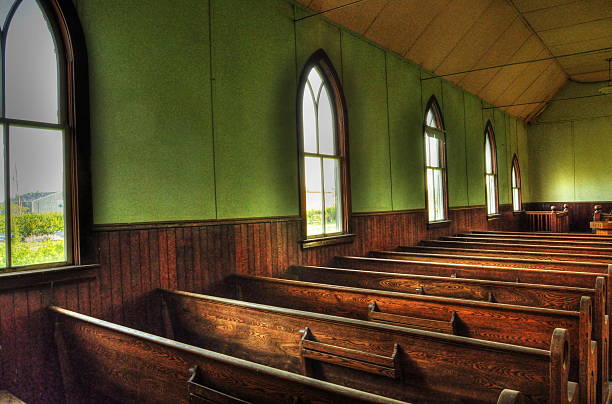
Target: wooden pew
{"x": 541, "y": 236}
{"x": 103, "y": 362}
{"x": 536, "y": 255}
{"x": 521, "y": 294}
{"x": 526, "y": 326}
{"x": 532, "y": 241}
{"x": 544, "y": 234}
{"x": 526, "y": 275}
{"x": 428, "y": 254}
{"x": 546, "y": 296}
{"x": 407, "y": 364}
{"x": 605, "y": 252}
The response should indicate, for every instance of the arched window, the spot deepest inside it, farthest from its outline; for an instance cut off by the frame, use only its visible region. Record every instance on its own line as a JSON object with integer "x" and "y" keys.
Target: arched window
{"x": 38, "y": 120}
{"x": 435, "y": 163}
{"x": 517, "y": 197}
{"x": 323, "y": 150}
{"x": 491, "y": 170}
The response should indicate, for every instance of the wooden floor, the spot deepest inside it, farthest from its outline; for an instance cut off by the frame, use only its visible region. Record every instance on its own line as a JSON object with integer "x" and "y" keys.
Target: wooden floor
{"x": 8, "y": 398}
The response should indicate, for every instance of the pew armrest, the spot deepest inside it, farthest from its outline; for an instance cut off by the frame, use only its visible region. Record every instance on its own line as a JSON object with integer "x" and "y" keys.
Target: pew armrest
{"x": 446, "y": 327}
{"x": 387, "y": 366}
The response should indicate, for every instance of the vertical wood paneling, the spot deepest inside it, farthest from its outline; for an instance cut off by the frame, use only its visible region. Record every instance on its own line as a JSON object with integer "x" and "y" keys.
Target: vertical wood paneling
{"x": 134, "y": 263}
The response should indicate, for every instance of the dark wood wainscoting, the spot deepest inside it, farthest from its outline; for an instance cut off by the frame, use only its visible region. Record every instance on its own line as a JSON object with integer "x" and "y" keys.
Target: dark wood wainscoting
{"x": 137, "y": 259}
{"x": 581, "y": 213}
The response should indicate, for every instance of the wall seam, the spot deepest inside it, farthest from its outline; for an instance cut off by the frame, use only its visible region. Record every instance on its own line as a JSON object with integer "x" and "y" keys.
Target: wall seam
{"x": 465, "y": 144}
{"x": 574, "y": 157}
{"x": 389, "y": 133}
{"x": 212, "y": 102}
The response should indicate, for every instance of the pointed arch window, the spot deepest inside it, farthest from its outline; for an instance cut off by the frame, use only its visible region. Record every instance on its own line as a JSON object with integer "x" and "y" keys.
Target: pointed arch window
{"x": 517, "y": 197}
{"x": 435, "y": 163}
{"x": 491, "y": 171}
{"x": 38, "y": 122}
{"x": 323, "y": 151}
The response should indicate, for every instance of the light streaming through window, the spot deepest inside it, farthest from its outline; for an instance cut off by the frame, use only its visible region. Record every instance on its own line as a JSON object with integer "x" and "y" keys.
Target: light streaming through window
{"x": 435, "y": 164}
{"x": 322, "y": 159}
{"x": 490, "y": 171}
{"x": 33, "y": 136}
{"x": 517, "y": 203}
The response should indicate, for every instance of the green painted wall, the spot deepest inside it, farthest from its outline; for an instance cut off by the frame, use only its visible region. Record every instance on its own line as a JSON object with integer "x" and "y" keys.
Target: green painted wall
{"x": 152, "y": 153}
{"x": 194, "y": 118}
{"x": 254, "y": 91}
{"x": 570, "y": 146}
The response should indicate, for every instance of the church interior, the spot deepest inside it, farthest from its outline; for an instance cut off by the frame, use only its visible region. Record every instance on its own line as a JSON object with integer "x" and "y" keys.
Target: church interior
{"x": 306, "y": 201}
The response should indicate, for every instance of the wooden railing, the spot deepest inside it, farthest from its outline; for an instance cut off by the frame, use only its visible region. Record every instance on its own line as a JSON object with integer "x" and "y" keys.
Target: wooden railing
{"x": 554, "y": 221}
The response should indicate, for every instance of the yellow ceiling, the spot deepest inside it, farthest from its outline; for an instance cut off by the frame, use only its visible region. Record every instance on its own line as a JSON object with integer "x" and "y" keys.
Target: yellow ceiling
{"x": 450, "y": 36}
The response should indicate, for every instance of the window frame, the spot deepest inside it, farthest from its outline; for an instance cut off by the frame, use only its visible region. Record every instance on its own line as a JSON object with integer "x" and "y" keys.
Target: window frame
{"x": 73, "y": 83}
{"x": 321, "y": 61}
{"x": 433, "y": 105}
{"x": 490, "y": 135}
{"x": 515, "y": 177}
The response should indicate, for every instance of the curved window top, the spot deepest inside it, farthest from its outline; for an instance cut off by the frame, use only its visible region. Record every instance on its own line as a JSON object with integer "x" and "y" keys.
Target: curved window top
{"x": 318, "y": 116}
{"x": 31, "y": 64}
{"x": 433, "y": 116}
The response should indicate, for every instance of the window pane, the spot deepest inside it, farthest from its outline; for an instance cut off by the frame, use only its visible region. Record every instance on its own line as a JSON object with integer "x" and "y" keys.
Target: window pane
{"x": 439, "y": 196}
{"x": 5, "y": 7}
{"x": 326, "y": 124}
{"x": 37, "y": 196}
{"x": 315, "y": 80}
{"x": 488, "y": 156}
{"x": 333, "y": 206}
{"x": 431, "y": 195}
{"x": 31, "y": 67}
{"x": 516, "y": 203}
{"x": 491, "y": 205}
{"x": 314, "y": 196}
{"x": 513, "y": 175}
{"x": 430, "y": 120}
{"x": 432, "y": 150}
{"x": 309, "y": 121}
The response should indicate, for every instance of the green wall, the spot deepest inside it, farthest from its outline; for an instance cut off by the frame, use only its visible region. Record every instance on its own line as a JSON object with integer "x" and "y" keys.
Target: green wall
{"x": 570, "y": 146}
{"x": 193, "y": 113}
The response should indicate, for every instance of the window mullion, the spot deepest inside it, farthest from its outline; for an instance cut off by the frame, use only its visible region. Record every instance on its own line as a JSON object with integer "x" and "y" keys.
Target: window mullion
{"x": 324, "y": 219}
{"x": 7, "y": 197}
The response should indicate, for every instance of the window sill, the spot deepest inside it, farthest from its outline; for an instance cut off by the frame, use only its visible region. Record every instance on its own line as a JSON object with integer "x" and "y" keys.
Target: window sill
{"x": 324, "y": 241}
{"x": 495, "y": 216}
{"x": 518, "y": 212}
{"x": 438, "y": 223}
{"x": 47, "y": 276}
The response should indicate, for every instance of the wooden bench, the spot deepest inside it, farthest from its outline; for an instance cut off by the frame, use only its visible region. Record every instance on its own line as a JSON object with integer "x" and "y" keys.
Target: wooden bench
{"x": 102, "y": 362}
{"x": 526, "y": 326}
{"x": 526, "y": 275}
{"x": 541, "y": 236}
{"x": 407, "y": 364}
{"x": 536, "y": 255}
{"x": 546, "y": 296}
{"x": 604, "y": 252}
{"x": 532, "y": 241}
